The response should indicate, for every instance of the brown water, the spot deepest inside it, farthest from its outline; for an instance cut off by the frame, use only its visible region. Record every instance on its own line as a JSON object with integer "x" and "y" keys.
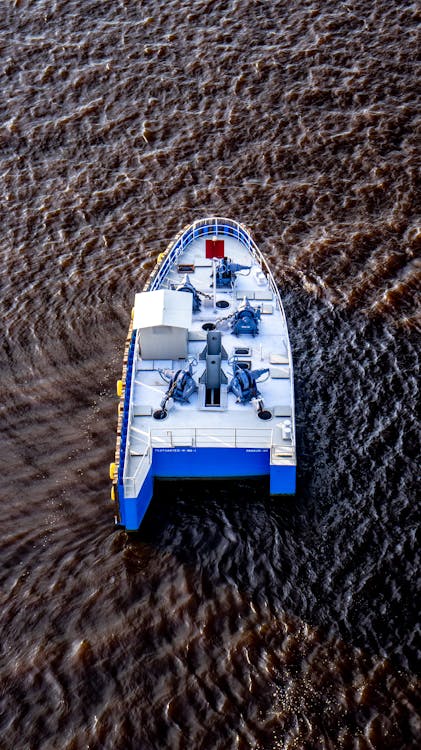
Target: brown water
{"x": 232, "y": 621}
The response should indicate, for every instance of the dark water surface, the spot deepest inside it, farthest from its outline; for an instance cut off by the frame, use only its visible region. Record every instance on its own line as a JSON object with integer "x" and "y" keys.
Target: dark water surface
{"x": 232, "y": 621}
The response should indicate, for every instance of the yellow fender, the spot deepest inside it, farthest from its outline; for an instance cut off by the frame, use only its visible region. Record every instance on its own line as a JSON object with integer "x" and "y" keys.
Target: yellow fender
{"x": 160, "y": 257}
{"x": 113, "y": 493}
{"x": 113, "y": 468}
{"x": 119, "y": 388}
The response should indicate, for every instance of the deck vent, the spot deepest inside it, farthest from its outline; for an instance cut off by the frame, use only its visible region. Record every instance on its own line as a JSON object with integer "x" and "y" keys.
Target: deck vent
{"x": 264, "y": 414}
{"x": 160, "y": 414}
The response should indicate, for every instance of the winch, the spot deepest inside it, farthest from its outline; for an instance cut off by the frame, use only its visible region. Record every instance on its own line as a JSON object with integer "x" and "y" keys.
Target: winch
{"x": 225, "y": 273}
{"x": 246, "y": 319}
{"x": 244, "y": 383}
{"x": 181, "y": 385}
{"x": 187, "y": 286}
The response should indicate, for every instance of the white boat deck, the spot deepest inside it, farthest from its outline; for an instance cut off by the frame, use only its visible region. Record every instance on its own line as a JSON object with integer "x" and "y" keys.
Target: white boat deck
{"x": 232, "y": 424}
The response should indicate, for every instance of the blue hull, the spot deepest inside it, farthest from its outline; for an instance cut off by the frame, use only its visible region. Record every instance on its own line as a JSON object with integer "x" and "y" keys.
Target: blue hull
{"x": 204, "y": 463}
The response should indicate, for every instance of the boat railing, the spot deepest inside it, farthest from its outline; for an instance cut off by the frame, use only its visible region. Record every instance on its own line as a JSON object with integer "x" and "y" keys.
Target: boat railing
{"x": 201, "y": 437}
{"x": 212, "y": 226}
{"x": 190, "y": 438}
{"x": 133, "y": 484}
{"x": 218, "y": 225}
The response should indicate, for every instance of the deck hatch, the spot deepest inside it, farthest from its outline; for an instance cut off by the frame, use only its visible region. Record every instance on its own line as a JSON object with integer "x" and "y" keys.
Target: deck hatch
{"x": 215, "y": 248}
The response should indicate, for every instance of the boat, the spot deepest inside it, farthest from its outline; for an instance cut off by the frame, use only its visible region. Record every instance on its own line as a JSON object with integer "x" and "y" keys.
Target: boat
{"x": 207, "y": 387}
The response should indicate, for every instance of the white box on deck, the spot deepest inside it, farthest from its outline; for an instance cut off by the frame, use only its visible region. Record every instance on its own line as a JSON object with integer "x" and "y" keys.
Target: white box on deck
{"x": 163, "y": 318}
